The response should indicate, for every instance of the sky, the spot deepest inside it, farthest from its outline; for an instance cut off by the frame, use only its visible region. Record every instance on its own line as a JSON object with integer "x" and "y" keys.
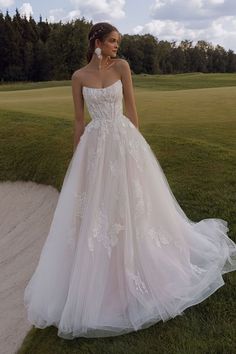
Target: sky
{"x": 210, "y": 20}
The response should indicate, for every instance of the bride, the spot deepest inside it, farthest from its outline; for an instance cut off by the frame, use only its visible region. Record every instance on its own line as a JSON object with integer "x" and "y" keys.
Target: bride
{"x": 120, "y": 254}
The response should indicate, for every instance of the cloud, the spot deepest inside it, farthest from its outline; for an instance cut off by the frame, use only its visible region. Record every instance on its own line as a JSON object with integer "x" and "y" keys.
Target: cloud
{"x": 191, "y": 10}
{"x": 220, "y": 31}
{"x": 55, "y": 15}
{"x": 72, "y": 15}
{"x": 210, "y": 20}
{"x": 6, "y": 3}
{"x": 26, "y": 10}
{"x": 100, "y": 9}
{"x": 167, "y": 30}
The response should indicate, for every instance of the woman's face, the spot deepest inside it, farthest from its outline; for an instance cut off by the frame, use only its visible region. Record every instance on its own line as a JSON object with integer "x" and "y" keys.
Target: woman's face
{"x": 110, "y": 45}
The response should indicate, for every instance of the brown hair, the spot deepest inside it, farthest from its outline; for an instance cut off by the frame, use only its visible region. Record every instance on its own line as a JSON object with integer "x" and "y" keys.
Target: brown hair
{"x": 100, "y": 30}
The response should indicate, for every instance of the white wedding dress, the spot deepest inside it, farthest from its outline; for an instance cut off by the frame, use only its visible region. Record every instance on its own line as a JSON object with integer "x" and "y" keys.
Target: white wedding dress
{"x": 121, "y": 254}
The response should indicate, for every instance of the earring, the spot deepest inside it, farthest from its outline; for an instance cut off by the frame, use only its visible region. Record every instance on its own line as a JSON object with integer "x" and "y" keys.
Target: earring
{"x": 98, "y": 51}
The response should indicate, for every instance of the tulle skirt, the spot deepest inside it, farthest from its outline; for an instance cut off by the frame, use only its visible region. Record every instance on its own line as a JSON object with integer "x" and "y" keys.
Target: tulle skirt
{"x": 121, "y": 254}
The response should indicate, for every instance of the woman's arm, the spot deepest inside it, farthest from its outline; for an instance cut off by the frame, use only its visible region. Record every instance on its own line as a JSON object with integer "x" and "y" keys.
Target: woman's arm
{"x": 79, "y": 123}
{"x": 128, "y": 92}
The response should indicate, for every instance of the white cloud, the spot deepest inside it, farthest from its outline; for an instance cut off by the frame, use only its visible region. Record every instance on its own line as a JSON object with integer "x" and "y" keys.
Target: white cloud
{"x": 220, "y": 31}
{"x": 55, "y": 15}
{"x": 216, "y": 2}
{"x": 158, "y": 4}
{"x": 100, "y": 9}
{"x": 168, "y": 30}
{"x": 72, "y": 15}
{"x": 210, "y": 20}
{"x": 6, "y": 3}
{"x": 26, "y": 10}
{"x": 192, "y": 9}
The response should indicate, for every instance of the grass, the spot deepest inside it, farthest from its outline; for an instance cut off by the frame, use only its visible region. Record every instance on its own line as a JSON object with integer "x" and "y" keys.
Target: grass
{"x": 192, "y": 132}
{"x": 157, "y": 82}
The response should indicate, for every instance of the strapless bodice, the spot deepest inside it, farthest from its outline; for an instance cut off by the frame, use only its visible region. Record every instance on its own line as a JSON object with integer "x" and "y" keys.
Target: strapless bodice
{"x": 104, "y": 103}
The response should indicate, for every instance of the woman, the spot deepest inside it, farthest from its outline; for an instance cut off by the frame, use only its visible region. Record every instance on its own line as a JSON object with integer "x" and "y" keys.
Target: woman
{"x": 102, "y": 71}
{"x": 121, "y": 254}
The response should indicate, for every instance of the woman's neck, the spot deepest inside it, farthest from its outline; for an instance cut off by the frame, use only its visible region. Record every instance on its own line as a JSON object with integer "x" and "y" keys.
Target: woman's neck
{"x": 99, "y": 64}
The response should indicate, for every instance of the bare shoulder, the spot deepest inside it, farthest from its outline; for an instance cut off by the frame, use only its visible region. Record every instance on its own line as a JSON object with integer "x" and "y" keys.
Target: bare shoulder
{"x": 123, "y": 69}
{"x": 79, "y": 74}
{"x": 122, "y": 63}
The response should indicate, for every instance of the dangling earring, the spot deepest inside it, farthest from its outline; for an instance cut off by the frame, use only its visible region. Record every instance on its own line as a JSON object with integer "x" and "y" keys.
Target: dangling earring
{"x": 98, "y": 51}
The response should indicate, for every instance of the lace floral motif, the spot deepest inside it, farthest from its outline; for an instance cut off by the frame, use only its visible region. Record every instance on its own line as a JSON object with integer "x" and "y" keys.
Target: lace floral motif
{"x": 158, "y": 236}
{"x": 118, "y": 138}
{"x": 94, "y": 124}
{"x": 93, "y": 157}
{"x": 139, "y": 284}
{"x": 143, "y": 205}
{"x": 80, "y": 204}
{"x": 104, "y": 104}
{"x": 79, "y": 210}
{"x": 134, "y": 146}
{"x": 104, "y": 231}
{"x": 139, "y": 206}
{"x": 197, "y": 269}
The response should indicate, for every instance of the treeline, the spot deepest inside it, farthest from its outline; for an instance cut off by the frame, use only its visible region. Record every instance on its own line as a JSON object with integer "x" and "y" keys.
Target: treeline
{"x": 147, "y": 54}
{"x": 31, "y": 51}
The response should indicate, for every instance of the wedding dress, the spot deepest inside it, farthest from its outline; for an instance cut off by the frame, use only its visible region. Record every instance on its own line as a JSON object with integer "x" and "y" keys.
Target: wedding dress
{"x": 121, "y": 254}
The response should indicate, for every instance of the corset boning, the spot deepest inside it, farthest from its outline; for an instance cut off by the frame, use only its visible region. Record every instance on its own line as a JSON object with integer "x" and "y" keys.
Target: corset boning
{"x": 105, "y": 103}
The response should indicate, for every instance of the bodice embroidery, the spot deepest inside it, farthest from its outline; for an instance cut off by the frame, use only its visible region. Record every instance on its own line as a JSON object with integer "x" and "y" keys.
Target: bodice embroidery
{"x": 105, "y": 108}
{"x": 104, "y": 230}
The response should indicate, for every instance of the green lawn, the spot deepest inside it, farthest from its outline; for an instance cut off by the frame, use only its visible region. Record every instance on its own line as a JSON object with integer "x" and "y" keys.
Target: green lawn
{"x": 156, "y": 82}
{"x": 190, "y": 123}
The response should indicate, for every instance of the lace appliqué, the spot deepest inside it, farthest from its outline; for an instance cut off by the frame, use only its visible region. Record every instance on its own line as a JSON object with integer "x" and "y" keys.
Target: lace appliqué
{"x": 136, "y": 144}
{"x": 103, "y": 126}
{"x": 104, "y": 231}
{"x": 139, "y": 284}
{"x": 142, "y": 205}
{"x": 81, "y": 199}
{"x": 79, "y": 210}
{"x": 117, "y": 137}
{"x": 197, "y": 269}
{"x": 93, "y": 157}
{"x": 159, "y": 236}
{"x": 94, "y": 124}
{"x": 133, "y": 149}
{"x": 139, "y": 206}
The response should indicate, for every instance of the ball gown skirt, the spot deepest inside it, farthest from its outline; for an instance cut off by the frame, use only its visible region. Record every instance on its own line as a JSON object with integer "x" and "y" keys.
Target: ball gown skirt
{"x": 121, "y": 254}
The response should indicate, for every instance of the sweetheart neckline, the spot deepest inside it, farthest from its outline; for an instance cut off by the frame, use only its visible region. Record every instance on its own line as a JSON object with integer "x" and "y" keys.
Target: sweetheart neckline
{"x": 101, "y": 88}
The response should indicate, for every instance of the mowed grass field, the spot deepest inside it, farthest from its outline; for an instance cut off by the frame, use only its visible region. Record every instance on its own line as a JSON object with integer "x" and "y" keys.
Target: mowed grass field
{"x": 190, "y": 123}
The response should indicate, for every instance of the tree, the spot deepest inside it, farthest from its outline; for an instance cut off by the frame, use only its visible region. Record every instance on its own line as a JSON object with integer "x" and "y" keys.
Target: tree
{"x": 219, "y": 60}
{"x": 231, "y": 61}
{"x": 42, "y": 51}
{"x": 164, "y": 49}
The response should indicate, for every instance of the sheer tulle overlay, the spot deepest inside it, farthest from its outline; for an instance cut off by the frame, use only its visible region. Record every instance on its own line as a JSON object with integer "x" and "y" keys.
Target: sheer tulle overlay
{"x": 121, "y": 254}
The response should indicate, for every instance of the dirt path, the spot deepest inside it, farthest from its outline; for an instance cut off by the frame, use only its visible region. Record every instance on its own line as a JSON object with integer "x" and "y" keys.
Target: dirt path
{"x": 26, "y": 211}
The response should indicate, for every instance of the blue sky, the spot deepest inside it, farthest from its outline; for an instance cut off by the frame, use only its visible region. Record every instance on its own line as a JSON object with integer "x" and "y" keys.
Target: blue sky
{"x": 210, "y": 20}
